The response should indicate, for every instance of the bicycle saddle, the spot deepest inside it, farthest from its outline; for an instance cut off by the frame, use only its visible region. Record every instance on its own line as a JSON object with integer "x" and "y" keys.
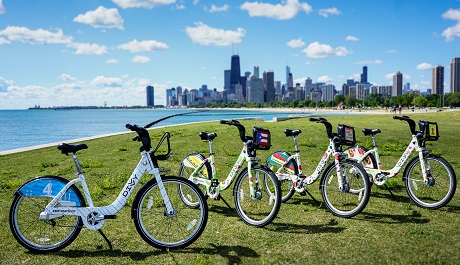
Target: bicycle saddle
{"x": 207, "y": 135}
{"x": 371, "y": 131}
{"x": 289, "y": 132}
{"x": 71, "y": 148}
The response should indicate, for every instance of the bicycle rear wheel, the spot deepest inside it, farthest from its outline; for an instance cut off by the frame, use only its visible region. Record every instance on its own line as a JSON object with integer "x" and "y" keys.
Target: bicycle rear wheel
{"x": 43, "y": 236}
{"x": 260, "y": 210}
{"x": 276, "y": 161}
{"x": 165, "y": 231}
{"x": 351, "y": 197}
{"x": 441, "y": 185}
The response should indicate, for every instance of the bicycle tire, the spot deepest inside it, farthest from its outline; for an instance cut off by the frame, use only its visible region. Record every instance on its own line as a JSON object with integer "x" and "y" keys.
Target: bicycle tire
{"x": 287, "y": 187}
{"x": 186, "y": 172}
{"x": 169, "y": 232}
{"x": 351, "y": 201}
{"x": 440, "y": 192}
{"x": 43, "y": 236}
{"x": 263, "y": 209}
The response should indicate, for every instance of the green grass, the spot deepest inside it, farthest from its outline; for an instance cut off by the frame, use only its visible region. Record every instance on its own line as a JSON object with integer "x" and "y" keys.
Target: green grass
{"x": 389, "y": 231}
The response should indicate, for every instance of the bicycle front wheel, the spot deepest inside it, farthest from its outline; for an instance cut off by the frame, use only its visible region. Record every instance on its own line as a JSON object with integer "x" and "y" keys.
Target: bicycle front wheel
{"x": 43, "y": 236}
{"x": 262, "y": 207}
{"x": 169, "y": 231}
{"x": 441, "y": 185}
{"x": 351, "y": 196}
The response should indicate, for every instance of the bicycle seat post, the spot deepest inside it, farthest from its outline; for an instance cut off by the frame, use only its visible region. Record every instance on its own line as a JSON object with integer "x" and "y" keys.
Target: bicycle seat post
{"x": 295, "y": 144}
{"x": 77, "y": 164}
{"x": 211, "y": 153}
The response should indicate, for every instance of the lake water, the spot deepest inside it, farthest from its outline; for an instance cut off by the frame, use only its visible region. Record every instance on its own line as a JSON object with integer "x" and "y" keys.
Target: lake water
{"x": 25, "y": 128}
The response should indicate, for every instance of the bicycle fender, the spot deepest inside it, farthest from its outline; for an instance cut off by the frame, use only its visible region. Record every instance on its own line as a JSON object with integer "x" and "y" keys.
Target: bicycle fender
{"x": 193, "y": 160}
{"x": 49, "y": 186}
{"x": 355, "y": 153}
{"x": 278, "y": 159}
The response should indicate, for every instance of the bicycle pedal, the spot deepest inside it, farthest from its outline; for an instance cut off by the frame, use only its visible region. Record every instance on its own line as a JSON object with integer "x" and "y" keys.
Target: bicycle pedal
{"x": 110, "y": 216}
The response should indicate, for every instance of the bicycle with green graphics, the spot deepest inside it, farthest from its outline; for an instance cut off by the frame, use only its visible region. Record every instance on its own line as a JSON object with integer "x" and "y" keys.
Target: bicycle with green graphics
{"x": 429, "y": 180}
{"x": 344, "y": 183}
{"x": 256, "y": 193}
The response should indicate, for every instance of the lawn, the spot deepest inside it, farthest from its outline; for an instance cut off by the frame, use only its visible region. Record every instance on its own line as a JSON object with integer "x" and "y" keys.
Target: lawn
{"x": 390, "y": 230}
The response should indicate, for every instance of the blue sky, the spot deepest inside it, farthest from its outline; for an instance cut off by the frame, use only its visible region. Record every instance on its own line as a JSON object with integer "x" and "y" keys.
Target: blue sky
{"x": 87, "y": 52}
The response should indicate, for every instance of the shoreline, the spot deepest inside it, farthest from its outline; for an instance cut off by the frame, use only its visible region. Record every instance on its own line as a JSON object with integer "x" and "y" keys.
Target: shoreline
{"x": 313, "y": 112}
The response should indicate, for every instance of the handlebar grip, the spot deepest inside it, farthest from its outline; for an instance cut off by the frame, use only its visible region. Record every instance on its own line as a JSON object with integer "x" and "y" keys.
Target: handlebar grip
{"x": 133, "y": 128}
{"x": 313, "y": 119}
{"x": 224, "y": 122}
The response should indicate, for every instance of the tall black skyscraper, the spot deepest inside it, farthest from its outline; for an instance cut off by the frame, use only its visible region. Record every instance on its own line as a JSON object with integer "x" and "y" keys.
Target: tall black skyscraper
{"x": 235, "y": 73}
{"x": 150, "y": 96}
{"x": 364, "y": 75}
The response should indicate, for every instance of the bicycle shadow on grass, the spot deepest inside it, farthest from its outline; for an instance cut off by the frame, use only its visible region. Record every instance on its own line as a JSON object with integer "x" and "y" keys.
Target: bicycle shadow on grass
{"x": 232, "y": 253}
{"x": 415, "y": 218}
{"x": 330, "y": 227}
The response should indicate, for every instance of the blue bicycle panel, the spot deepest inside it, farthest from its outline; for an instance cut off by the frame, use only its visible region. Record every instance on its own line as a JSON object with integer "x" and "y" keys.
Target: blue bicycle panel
{"x": 48, "y": 187}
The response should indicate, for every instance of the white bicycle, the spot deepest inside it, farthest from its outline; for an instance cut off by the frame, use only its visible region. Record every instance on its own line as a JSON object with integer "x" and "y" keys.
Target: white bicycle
{"x": 48, "y": 212}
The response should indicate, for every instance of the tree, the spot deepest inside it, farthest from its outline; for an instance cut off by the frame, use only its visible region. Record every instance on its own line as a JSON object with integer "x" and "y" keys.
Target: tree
{"x": 350, "y": 100}
{"x": 420, "y": 101}
{"x": 454, "y": 99}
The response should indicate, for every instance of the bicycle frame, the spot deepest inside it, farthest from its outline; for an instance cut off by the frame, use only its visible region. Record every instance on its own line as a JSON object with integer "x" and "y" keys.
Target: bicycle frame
{"x": 213, "y": 190}
{"x": 413, "y": 145}
{"x": 99, "y": 214}
{"x": 318, "y": 170}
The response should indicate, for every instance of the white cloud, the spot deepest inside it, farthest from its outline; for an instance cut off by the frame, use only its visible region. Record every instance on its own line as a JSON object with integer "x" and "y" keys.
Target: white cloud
{"x": 424, "y": 66}
{"x": 377, "y": 61}
{"x": 111, "y": 61}
{"x": 4, "y": 41}
{"x": 317, "y": 50}
{"x": 452, "y": 32}
{"x": 102, "y": 81}
{"x": 216, "y": 9}
{"x": 296, "y": 43}
{"x": 205, "y": 35}
{"x": 195, "y": 2}
{"x": 2, "y": 9}
{"x": 279, "y": 11}
{"x": 143, "y": 46}
{"x": 67, "y": 77}
{"x": 89, "y": 48}
{"x": 180, "y": 7}
{"x": 329, "y": 11}
{"x": 5, "y": 84}
{"x": 101, "y": 18}
{"x": 142, "y": 3}
{"x": 391, "y": 51}
{"x": 324, "y": 79}
{"x": 140, "y": 59}
{"x": 39, "y": 36}
{"x": 351, "y": 38}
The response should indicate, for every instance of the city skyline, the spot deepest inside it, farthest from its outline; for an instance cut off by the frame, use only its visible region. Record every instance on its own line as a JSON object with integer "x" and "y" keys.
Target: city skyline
{"x": 88, "y": 53}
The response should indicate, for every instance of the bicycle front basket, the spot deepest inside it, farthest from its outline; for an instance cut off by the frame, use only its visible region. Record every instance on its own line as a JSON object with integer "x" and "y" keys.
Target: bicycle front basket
{"x": 261, "y": 138}
{"x": 430, "y": 130}
{"x": 347, "y": 134}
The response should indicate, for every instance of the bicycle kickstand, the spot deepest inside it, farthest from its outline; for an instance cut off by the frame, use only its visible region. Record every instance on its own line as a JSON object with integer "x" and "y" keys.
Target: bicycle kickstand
{"x": 106, "y": 239}
{"x": 311, "y": 196}
{"x": 221, "y": 198}
{"x": 388, "y": 189}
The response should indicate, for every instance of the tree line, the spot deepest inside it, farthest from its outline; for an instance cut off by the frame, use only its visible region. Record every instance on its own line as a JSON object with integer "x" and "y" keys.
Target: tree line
{"x": 350, "y": 101}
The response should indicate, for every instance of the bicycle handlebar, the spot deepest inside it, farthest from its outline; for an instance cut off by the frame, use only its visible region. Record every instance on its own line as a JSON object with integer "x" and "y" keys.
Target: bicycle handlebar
{"x": 240, "y": 127}
{"x": 410, "y": 121}
{"x": 143, "y": 136}
{"x": 326, "y": 123}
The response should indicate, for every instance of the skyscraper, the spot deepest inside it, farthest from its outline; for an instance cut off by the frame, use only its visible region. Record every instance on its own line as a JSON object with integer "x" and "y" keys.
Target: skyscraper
{"x": 270, "y": 86}
{"x": 150, "y": 96}
{"x": 235, "y": 73}
{"x": 288, "y": 71}
{"x": 437, "y": 80}
{"x": 364, "y": 75}
{"x": 397, "y": 84}
{"x": 227, "y": 80}
{"x": 455, "y": 75}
